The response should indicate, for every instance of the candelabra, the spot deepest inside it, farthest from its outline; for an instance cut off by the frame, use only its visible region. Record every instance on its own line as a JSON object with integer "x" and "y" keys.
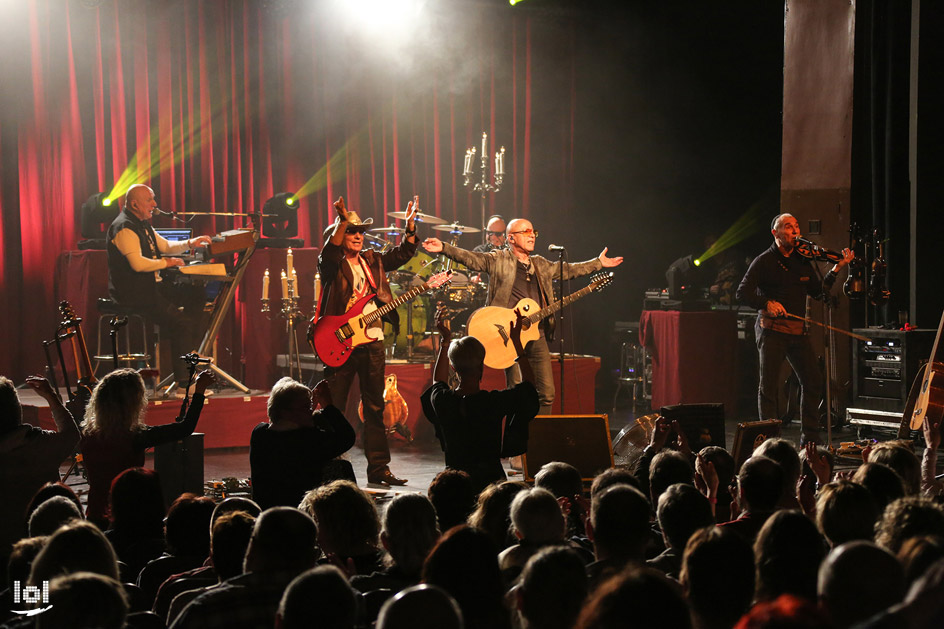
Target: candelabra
{"x": 290, "y": 311}
{"x": 482, "y": 185}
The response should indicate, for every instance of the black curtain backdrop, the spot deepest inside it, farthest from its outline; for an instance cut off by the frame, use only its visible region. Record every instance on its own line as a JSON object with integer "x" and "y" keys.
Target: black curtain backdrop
{"x": 638, "y": 126}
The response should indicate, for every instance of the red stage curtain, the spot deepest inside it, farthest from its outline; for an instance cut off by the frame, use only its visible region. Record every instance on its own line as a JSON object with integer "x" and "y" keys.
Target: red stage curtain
{"x": 221, "y": 104}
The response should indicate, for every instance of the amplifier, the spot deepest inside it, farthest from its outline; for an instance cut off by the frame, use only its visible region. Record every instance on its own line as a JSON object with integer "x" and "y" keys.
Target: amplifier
{"x": 885, "y": 367}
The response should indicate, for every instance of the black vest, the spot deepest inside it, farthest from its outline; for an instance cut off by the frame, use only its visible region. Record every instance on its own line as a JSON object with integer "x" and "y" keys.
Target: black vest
{"x": 125, "y": 285}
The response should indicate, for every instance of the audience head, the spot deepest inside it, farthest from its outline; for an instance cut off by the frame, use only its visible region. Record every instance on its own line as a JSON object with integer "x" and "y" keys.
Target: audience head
{"x": 718, "y": 597}
{"x": 857, "y": 580}
{"x": 283, "y": 539}
{"x": 883, "y": 483}
{"x": 845, "y": 511}
{"x": 467, "y": 357}
{"x": 617, "y": 600}
{"x": 21, "y": 559}
{"x": 786, "y": 612}
{"x": 319, "y": 597}
{"x": 668, "y": 468}
{"x": 910, "y": 516}
{"x": 136, "y": 502}
{"x": 187, "y": 527}
{"x": 784, "y": 453}
{"x": 453, "y": 496}
{"x": 235, "y": 503}
{"x": 723, "y": 462}
{"x": 619, "y": 522}
{"x": 760, "y": 483}
{"x": 422, "y": 606}
{"x": 465, "y": 564}
{"x": 788, "y": 552}
{"x": 537, "y": 518}
{"x": 229, "y": 540}
{"x": 51, "y": 514}
{"x": 563, "y": 480}
{"x": 918, "y": 554}
{"x": 682, "y": 510}
{"x": 85, "y": 600}
{"x": 348, "y": 525}
{"x": 117, "y": 404}
{"x": 286, "y": 394}
{"x": 613, "y": 476}
{"x": 902, "y": 459}
{"x": 410, "y": 531}
{"x": 492, "y": 515}
{"x": 49, "y": 490}
{"x": 11, "y": 412}
{"x": 552, "y": 589}
{"x": 76, "y": 547}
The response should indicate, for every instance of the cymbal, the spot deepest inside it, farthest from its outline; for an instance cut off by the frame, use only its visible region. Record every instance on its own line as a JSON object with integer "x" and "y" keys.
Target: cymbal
{"x": 456, "y": 228}
{"x": 419, "y": 218}
{"x": 387, "y": 230}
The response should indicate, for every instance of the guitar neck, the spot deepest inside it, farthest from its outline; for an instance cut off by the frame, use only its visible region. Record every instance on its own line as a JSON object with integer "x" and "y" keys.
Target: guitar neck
{"x": 396, "y": 303}
{"x": 557, "y": 305}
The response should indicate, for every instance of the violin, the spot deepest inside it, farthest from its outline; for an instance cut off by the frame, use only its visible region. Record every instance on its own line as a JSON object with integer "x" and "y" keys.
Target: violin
{"x": 811, "y": 250}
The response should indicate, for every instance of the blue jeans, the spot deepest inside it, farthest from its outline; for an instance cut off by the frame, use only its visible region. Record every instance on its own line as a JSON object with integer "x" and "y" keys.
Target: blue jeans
{"x": 540, "y": 358}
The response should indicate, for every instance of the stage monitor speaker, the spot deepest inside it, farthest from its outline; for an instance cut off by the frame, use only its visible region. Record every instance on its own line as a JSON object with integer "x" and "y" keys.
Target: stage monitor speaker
{"x": 750, "y": 435}
{"x": 581, "y": 440}
{"x": 703, "y": 424}
{"x": 180, "y": 466}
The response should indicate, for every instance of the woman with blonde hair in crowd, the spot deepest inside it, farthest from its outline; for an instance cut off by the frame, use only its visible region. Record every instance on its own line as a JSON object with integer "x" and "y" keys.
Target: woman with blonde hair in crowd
{"x": 115, "y": 437}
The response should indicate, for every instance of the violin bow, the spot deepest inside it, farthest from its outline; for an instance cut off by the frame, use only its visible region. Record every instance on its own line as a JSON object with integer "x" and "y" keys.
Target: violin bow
{"x": 828, "y": 327}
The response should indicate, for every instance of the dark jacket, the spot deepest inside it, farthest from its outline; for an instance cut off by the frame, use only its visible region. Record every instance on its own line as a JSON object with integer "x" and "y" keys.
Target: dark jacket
{"x": 125, "y": 285}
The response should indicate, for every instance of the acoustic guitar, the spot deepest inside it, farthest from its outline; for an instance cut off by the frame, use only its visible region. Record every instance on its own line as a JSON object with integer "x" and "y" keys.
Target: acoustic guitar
{"x": 926, "y": 399}
{"x": 71, "y": 328}
{"x": 334, "y": 337}
{"x": 491, "y": 325}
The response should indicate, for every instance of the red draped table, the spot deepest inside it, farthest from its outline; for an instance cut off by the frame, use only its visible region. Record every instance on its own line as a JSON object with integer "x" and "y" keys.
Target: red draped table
{"x": 694, "y": 356}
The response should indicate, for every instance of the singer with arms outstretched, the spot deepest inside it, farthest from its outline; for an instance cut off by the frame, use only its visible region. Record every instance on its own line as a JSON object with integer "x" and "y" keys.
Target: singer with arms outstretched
{"x": 515, "y": 273}
{"x": 776, "y": 283}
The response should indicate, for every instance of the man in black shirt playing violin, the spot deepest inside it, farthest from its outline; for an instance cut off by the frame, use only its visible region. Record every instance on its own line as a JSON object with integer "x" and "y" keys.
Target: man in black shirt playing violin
{"x": 776, "y": 284}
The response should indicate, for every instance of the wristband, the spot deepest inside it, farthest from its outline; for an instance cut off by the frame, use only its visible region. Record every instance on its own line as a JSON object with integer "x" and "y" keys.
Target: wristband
{"x": 712, "y": 500}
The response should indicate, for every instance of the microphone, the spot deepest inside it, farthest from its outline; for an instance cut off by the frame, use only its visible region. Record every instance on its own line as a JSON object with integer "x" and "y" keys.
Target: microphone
{"x": 556, "y": 248}
{"x": 804, "y": 241}
{"x": 194, "y": 358}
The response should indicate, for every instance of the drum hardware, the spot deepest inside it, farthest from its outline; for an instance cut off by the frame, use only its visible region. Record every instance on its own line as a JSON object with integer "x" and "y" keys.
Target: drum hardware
{"x": 392, "y": 229}
{"x": 420, "y": 217}
{"x": 456, "y": 228}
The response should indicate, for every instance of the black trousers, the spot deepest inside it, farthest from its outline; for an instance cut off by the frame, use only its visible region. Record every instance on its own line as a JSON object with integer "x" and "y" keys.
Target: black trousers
{"x": 367, "y": 364}
{"x": 796, "y": 349}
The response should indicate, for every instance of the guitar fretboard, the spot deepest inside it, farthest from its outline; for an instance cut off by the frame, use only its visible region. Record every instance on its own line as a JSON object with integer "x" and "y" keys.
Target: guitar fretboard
{"x": 396, "y": 303}
{"x": 557, "y": 305}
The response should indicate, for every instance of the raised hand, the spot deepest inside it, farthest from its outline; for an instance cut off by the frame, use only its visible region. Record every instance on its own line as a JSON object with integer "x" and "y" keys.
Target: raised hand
{"x": 443, "y": 325}
{"x": 411, "y": 209}
{"x": 818, "y": 463}
{"x": 681, "y": 439}
{"x": 515, "y": 329}
{"x": 660, "y": 434}
{"x": 341, "y": 209}
{"x": 41, "y": 386}
{"x": 705, "y": 471}
{"x": 204, "y": 379}
{"x": 608, "y": 262}
{"x": 932, "y": 433}
{"x": 321, "y": 395}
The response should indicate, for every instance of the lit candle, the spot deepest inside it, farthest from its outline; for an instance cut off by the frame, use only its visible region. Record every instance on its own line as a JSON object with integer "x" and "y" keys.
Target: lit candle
{"x": 284, "y": 285}
{"x": 265, "y": 285}
{"x": 467, "y": 166}
{"x": 501, "y": 161}
{"x": 484, "y": 144}
{"x": 317, "y": 287}
{"x": 294, "y": 283}
{"x": 289, "y": 258}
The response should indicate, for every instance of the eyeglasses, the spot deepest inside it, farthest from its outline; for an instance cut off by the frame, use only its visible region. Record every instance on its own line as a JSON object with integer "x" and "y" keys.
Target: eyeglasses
{"x": 354, "y": 230}
{"x": 498, "y": 234}
{"x": 529, "y": 232}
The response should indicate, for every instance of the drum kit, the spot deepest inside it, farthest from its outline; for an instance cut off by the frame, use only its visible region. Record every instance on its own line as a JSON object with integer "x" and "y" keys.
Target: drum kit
{"x": 465, "y": 293}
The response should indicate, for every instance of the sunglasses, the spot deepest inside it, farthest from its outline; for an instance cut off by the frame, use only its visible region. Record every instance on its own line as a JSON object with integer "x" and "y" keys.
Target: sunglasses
{"x": 528, "y": 232}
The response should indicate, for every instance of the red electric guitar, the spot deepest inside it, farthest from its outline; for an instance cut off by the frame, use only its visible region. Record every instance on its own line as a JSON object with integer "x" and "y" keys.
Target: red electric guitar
{"x": 333, "y": 337}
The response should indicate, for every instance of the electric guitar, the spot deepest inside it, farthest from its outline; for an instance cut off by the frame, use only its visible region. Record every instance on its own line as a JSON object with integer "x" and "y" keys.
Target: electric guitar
{"x": 334, "y": 337}
{"x": 491, "y": 325}
{"x": 926, "y": 400}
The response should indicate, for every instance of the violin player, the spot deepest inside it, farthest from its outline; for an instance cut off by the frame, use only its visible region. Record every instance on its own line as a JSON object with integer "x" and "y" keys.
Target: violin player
{"x": 776, "y": 284}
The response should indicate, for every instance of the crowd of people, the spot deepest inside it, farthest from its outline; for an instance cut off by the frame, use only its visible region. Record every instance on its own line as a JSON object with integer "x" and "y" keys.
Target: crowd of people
{"x": 681, "y": 540}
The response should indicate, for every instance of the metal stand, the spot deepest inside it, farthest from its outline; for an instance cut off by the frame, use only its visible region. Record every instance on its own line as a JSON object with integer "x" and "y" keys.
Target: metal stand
{"x": 560, "y": 322}
{"x": 290, "y": 312}
{"x": 482, "y": 184}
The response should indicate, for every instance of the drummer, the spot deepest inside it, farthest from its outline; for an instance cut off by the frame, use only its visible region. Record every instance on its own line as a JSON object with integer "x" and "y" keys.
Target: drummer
{"x": 494, "y": 234}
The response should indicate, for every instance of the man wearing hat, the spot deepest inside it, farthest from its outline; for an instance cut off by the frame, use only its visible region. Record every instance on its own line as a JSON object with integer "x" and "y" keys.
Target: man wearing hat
{"x": 349, "y": 272}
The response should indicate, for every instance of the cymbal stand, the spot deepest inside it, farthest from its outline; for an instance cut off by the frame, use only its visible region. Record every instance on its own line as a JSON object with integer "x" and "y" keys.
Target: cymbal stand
{"x": 482, "y": 185}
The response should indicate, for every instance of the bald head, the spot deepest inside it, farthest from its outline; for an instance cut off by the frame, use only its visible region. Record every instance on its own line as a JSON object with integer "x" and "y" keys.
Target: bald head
{"x": 520, "y": 236}
{"x": 139, "y": 201}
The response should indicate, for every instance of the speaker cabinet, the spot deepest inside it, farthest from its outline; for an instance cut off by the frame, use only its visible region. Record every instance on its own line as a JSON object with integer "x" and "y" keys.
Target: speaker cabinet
{"x": 180, "y": 466}
{"x": 703, "y": 424}
{"x": 581, "y": 440}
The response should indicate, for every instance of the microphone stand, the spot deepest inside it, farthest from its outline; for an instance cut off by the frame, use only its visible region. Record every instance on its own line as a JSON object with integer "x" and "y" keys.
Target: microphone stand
{"x": 560, "y": 301}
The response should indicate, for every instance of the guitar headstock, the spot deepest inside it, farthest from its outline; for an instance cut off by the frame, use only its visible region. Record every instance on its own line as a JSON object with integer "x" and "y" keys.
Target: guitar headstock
{"x": 69, "y": 318}
{"x": 440, "y": 279}
{"x": 601, "y": 280}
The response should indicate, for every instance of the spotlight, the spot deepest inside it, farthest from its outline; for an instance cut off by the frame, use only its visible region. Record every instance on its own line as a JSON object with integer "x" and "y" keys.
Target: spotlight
{"x": 95, "y": 215}
{"x": 697, "y": 262}
{"x": 280, "y": 222}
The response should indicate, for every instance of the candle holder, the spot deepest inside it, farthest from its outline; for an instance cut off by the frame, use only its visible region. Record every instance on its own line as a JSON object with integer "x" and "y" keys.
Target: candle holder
{"x": 482, "y": 185}
{"x": 290, "y": 311}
